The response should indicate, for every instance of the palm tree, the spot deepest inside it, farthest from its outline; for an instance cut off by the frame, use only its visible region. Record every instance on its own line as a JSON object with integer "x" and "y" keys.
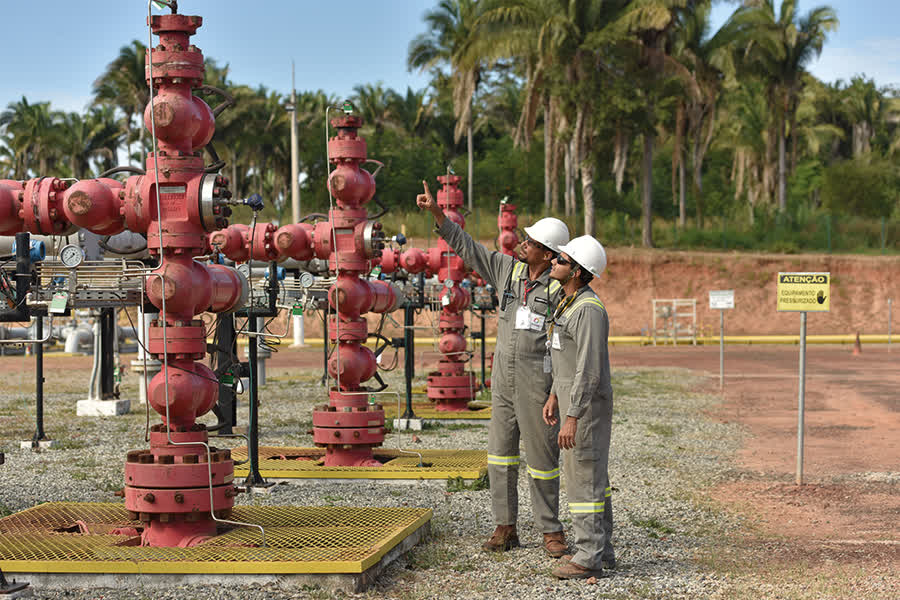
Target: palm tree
{"x": 652, "y": 23}
{"x": 450, "y": 40}
{"x": 708, "y": 59}
{"x": 123, "y": 85}
{"x": 411, "y": 112}
{"x": 778, "y": 48}
{"x": 33, "y": 131}
{"x": 555, "y": 39}
{"x": 373, "y": 103}
{"x": 95, "y": 135}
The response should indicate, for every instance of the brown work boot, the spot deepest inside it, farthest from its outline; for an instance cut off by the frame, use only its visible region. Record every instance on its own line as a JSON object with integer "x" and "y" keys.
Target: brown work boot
{"x": 571, "y": 570}
{"x": 555, "y": 544}
{"x": 503, "y": 539}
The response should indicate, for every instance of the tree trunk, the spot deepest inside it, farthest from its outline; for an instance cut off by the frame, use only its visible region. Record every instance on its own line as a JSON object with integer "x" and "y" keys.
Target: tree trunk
{"x": 587, "y": 194}
{"x": 567, "y": 167}
{"x": 682, "y": 193}
{"x": 548, "y": 153}
{"x": 647, "y": 192}
{"x": 554, "y": 175}
{"x": 782, "y": 167}
{"x": 620, "y": 159}
{"x": 471, "y": 150}
{"x": 698, "y": 183}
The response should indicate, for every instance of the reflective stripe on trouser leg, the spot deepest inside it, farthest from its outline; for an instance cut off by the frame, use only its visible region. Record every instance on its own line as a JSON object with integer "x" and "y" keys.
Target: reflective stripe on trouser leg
{"x": 608, "y": 554}
{"x": 542, "y": 456}
{"x": 586, "y": 483}
{"x": 503, "y": 460}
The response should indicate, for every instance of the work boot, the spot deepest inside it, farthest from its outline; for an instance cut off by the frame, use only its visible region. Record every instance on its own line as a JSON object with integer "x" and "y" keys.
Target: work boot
{"x": 571, "y": 570}
{"x": 555, "y": 544}
{"x": 503, "y": 539}
{"x": 608, "y": 564}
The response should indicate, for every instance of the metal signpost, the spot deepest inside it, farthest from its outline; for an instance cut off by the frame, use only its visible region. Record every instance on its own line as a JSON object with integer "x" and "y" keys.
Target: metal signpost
{"x": 803, "y": 292}
{"x": 721, "y": 300}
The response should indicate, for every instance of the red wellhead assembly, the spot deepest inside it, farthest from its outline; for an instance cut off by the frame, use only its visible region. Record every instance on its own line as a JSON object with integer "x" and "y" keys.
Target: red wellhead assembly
{"x": 508, "y": 223}
{"x": 175, "y": 203}
{"x": 349, "y": 426}
{"x": 451, "y": 387}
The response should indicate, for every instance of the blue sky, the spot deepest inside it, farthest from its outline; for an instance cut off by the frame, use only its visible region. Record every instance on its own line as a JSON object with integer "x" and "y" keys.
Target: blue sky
{"x": 54, "y": 49}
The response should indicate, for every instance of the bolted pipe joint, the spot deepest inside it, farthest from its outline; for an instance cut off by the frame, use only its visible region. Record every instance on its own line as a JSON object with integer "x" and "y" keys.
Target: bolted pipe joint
{"x": 455, "y": 299}
{"x": 95, "y": 205}
{"x": 294, "y": 241}
{"x": 192, "y": 389}
{"x": 192, "y": 288}
{"x": 182, "y": 120}
{"x": 351, "y": 185}
{"x": 351, "y": 364}
{"x": 452, "y": 344}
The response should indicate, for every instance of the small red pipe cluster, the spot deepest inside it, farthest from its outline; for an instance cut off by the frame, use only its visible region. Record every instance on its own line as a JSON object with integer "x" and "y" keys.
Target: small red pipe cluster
{"x": 508, "y": 222}
{"x": 451, "y": 387}
{"x": 348, "y": 427}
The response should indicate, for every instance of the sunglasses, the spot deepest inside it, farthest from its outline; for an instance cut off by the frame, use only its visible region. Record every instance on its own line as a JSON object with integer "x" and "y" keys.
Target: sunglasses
{"x": 530, "y": 242}
{"x": 563, "y": 261}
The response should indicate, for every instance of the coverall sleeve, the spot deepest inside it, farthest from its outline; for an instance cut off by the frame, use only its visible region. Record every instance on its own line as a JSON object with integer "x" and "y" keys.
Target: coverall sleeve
{"x": 591, "y": 327}
{"x": 491, "y": 265}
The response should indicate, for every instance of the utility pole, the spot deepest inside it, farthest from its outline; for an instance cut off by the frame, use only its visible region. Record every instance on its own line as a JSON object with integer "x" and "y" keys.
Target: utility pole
{"x": 295, "y": 193}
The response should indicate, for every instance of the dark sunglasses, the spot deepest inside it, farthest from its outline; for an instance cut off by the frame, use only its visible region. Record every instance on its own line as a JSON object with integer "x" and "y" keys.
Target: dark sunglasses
{"x": 537, "y": 245}
{"x": 562, "y": 261}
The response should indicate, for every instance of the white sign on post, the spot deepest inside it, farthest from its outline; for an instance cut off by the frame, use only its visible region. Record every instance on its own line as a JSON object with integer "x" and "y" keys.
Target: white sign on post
{"x": 721, "y": 299}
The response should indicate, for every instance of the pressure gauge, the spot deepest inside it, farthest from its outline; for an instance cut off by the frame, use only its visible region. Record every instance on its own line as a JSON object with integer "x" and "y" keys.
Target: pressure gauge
{"x": 449, "y": 283}
{"x": 306, "y": 279}
{"x": 71, "y": 256}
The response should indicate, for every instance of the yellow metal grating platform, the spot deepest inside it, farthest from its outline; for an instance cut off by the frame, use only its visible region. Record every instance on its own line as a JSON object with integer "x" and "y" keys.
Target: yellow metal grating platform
{"x": 478, "y": 411}
{"x": 305, "y": 463}
{"x": 48, "y": 539}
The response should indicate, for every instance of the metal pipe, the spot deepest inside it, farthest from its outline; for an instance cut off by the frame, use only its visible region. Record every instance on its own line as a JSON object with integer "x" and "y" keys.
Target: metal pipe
{"x": 254, "y": 478}
{"x": 39, "y": 434}
{"x": 802, "y": 398}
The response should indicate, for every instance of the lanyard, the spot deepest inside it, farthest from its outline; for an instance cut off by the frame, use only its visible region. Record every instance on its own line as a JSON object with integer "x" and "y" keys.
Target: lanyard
{"x": 528, "y": 289}
{"x": 560, "y": 310}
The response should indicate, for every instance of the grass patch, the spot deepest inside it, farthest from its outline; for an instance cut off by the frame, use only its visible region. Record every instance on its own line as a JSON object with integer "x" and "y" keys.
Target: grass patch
{"x": 458, "y": 484}
{"x": 661, "y": 429}
{"x": 654, "y": 526}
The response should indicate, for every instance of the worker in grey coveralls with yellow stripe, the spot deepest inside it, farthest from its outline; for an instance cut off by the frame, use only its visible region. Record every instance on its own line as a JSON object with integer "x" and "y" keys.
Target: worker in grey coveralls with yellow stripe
{"x": 582, "y": 393}
{"x": 521, "y": 376}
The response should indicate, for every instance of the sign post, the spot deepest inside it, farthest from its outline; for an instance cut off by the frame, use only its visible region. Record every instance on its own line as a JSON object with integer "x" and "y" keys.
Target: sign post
{"x": 803, "y": 292}
{"x": 721, "y": 300}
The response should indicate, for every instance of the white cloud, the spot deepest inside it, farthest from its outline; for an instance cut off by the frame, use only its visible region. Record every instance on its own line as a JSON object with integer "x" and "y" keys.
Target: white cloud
{"x": 877, "y": 58}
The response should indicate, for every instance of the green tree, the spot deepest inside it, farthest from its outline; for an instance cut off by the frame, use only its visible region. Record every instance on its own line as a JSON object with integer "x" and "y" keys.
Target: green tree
{"x": 778, "y": 48}
{"x": 451, "y": 41}
{"x": 123, "y": 85}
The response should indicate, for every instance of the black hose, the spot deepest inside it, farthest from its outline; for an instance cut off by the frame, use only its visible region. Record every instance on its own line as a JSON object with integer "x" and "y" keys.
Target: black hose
{"x": 311, "y": 216}
{"x": 122, "y": 169}
{"x": 380, "y": 213}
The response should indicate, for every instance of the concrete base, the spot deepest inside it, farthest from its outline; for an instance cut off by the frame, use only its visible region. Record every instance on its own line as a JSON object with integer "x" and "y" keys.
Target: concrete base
{"x": 102, "y": 408}
{"x": 408, "y": 424}
{"x": 43, "y": 444}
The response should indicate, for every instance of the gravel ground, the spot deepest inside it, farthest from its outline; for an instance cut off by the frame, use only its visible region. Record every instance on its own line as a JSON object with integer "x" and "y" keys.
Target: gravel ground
{"x": 664, "y": 450}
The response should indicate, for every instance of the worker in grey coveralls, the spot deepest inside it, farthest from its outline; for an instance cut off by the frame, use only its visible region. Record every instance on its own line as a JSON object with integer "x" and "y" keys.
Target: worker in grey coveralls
{"x": 520, "y": 379}
{"x": 582, "y": 396}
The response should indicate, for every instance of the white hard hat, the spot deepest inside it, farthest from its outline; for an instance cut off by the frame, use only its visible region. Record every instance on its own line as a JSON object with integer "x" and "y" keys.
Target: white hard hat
{"x": 588, "y": 253}
{"x": 550, "y": 232}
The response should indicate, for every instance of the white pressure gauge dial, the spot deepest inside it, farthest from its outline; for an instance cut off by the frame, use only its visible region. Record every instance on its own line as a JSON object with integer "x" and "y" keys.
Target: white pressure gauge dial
{"x": 71, "y": 256}
{"x": 306, "y": 279}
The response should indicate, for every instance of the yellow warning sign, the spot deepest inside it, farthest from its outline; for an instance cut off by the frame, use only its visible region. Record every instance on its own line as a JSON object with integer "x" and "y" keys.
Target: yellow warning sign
{"x": 804, "y": 292}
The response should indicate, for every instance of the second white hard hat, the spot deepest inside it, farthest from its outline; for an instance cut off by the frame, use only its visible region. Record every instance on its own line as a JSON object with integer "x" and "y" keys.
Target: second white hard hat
{"x": 588, "y": 253}
{"x": 550, "y": 232}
